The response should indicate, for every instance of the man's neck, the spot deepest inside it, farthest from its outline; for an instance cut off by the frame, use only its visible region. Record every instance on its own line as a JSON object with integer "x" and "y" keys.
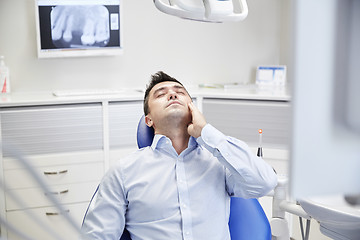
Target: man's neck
{"x": 178, "y": 136}
{"x": 180, "y": 142}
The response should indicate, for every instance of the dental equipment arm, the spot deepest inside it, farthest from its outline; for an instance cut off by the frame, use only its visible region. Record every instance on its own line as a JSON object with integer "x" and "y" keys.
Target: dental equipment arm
{"x": 207, "y": 11}
{"x": 278, "y": 223}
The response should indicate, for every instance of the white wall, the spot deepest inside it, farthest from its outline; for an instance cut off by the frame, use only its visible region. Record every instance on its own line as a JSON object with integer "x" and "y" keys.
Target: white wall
{"x": 193, "y": 52}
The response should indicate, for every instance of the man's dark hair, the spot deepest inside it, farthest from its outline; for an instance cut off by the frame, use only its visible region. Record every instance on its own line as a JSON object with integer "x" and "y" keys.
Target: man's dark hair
{"x": 155, "y": 79}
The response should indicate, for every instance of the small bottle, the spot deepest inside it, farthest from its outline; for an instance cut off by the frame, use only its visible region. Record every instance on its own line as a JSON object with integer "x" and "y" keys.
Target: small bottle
{"x": 4, "y": 76}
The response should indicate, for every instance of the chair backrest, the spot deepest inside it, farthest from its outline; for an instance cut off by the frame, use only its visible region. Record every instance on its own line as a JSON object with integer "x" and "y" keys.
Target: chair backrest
{"x": 247, "y": 218}
{"x": 145, "y": 134}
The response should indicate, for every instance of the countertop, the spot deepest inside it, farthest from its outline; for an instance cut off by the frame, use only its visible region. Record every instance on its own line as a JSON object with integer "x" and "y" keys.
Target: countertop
{"x": 251, "y": 92}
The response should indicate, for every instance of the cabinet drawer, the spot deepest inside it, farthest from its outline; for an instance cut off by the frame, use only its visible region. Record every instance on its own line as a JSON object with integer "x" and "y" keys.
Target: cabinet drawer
{"x": 36, "y": 223}
{"x": 55, "y": 175}
{"x": 56, "y": 159}
{"x": 123, "y": 121}
{"x": 37, "y": 197}
{"x": 53, "y": 128}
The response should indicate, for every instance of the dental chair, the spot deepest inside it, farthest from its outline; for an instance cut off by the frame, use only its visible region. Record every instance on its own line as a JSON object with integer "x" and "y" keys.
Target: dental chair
{"x": 247, "y": 219}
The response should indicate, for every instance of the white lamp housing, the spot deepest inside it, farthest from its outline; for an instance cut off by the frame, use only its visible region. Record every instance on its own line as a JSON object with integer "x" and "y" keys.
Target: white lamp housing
{"x": 204, "y": 10}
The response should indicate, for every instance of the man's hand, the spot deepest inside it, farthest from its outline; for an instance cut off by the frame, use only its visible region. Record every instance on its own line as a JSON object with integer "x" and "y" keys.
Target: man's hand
{"x": 198, "y": 121}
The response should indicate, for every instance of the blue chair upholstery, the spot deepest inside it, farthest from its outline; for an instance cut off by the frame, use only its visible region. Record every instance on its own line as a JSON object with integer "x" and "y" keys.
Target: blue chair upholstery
{"x": 248, "y": 220}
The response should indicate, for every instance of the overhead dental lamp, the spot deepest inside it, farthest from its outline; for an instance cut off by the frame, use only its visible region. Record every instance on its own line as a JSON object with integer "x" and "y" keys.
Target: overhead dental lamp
{"x": 204, "y": 10}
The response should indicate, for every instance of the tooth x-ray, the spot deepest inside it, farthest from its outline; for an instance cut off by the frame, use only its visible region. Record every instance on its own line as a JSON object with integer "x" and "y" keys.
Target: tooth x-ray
{"x": 66, "y": 28}
{"x": 76, "y": 26}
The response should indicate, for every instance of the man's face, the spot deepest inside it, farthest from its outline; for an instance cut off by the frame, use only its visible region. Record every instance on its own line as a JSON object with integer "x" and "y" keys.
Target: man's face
{"x": 168, "y": 101}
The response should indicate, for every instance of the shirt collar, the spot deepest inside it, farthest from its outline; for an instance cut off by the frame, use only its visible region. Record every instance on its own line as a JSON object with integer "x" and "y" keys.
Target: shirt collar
{"x": 161, "y": 140}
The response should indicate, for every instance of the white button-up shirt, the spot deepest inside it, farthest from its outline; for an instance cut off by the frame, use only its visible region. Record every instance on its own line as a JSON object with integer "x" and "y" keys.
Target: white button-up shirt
{"x": 160, "y": 195}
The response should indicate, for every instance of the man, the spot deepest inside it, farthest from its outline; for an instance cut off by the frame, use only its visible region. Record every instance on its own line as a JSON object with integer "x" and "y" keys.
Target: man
{"x": 180, "y": 186}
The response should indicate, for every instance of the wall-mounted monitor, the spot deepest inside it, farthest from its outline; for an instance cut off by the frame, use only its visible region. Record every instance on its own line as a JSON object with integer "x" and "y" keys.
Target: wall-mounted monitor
{"x": 75, "y": 28}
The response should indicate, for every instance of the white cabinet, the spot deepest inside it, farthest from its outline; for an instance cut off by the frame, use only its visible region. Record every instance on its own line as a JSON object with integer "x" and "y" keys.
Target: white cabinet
{"x": 47, "y": 222}
{"x": 69, "y": 147}
{"x": 63, "y": 144}
{"x": 123, "y": 122}
{"x": 69, "y": 185}
{"x": 124, "y": 117}
{"x": 241, "y": 118}
{"x": 53, "y": 128}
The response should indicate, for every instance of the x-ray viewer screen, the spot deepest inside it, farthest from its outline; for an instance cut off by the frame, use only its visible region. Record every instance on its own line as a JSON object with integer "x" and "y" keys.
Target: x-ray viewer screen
{"x": 65, "y": 24}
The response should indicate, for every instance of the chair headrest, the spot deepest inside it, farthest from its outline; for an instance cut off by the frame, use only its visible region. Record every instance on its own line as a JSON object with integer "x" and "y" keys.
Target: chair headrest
{"x": 145, "y": 134}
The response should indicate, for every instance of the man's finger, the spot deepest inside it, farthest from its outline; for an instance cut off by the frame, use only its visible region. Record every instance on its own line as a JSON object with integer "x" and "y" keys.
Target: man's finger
{"x": 191, "y": 106}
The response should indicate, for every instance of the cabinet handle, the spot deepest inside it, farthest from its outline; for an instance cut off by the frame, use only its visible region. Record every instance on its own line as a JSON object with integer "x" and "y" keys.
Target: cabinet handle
{"x": 56, "y": 173}
{"x": 56, "y": 213}
{"x": 58, "y": 193}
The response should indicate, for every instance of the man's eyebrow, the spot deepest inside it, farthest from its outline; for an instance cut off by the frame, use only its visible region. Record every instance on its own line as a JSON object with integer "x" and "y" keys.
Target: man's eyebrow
{"x": 158, "y": 90}
{"x": 179, "y": 87}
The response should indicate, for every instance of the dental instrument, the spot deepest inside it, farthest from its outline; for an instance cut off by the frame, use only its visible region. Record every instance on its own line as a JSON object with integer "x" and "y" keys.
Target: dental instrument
{"x": 259, "y": 151}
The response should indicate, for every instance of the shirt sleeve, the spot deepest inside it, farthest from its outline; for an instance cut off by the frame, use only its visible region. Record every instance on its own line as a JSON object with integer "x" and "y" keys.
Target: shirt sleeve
{"x": 105, "y": 217}
{"x": 247, "y": 175}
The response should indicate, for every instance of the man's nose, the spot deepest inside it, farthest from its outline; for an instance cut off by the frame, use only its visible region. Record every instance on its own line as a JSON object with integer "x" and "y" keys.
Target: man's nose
{"x": 172, "y": 95}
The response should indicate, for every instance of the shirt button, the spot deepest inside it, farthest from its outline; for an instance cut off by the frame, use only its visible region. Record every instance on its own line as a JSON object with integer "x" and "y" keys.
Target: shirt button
{"x": 187, "y": 233}
{"x": 184, "y": 205}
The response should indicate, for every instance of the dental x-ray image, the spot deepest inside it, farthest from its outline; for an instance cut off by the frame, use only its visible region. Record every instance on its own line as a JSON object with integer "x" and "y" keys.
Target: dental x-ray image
{"x": 78, "y": 26}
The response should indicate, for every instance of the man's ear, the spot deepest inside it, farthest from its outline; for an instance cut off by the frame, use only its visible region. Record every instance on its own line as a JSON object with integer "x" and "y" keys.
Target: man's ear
{"x": 148, "y": 121}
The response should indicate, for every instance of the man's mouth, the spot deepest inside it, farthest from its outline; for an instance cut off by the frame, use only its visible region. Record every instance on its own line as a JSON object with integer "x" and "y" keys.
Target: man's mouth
{"x": 173, "y": 102}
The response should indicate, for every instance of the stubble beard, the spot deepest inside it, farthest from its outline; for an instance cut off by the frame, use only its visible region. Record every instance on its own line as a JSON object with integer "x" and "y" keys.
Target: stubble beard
{"x": 177, "y": 118}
